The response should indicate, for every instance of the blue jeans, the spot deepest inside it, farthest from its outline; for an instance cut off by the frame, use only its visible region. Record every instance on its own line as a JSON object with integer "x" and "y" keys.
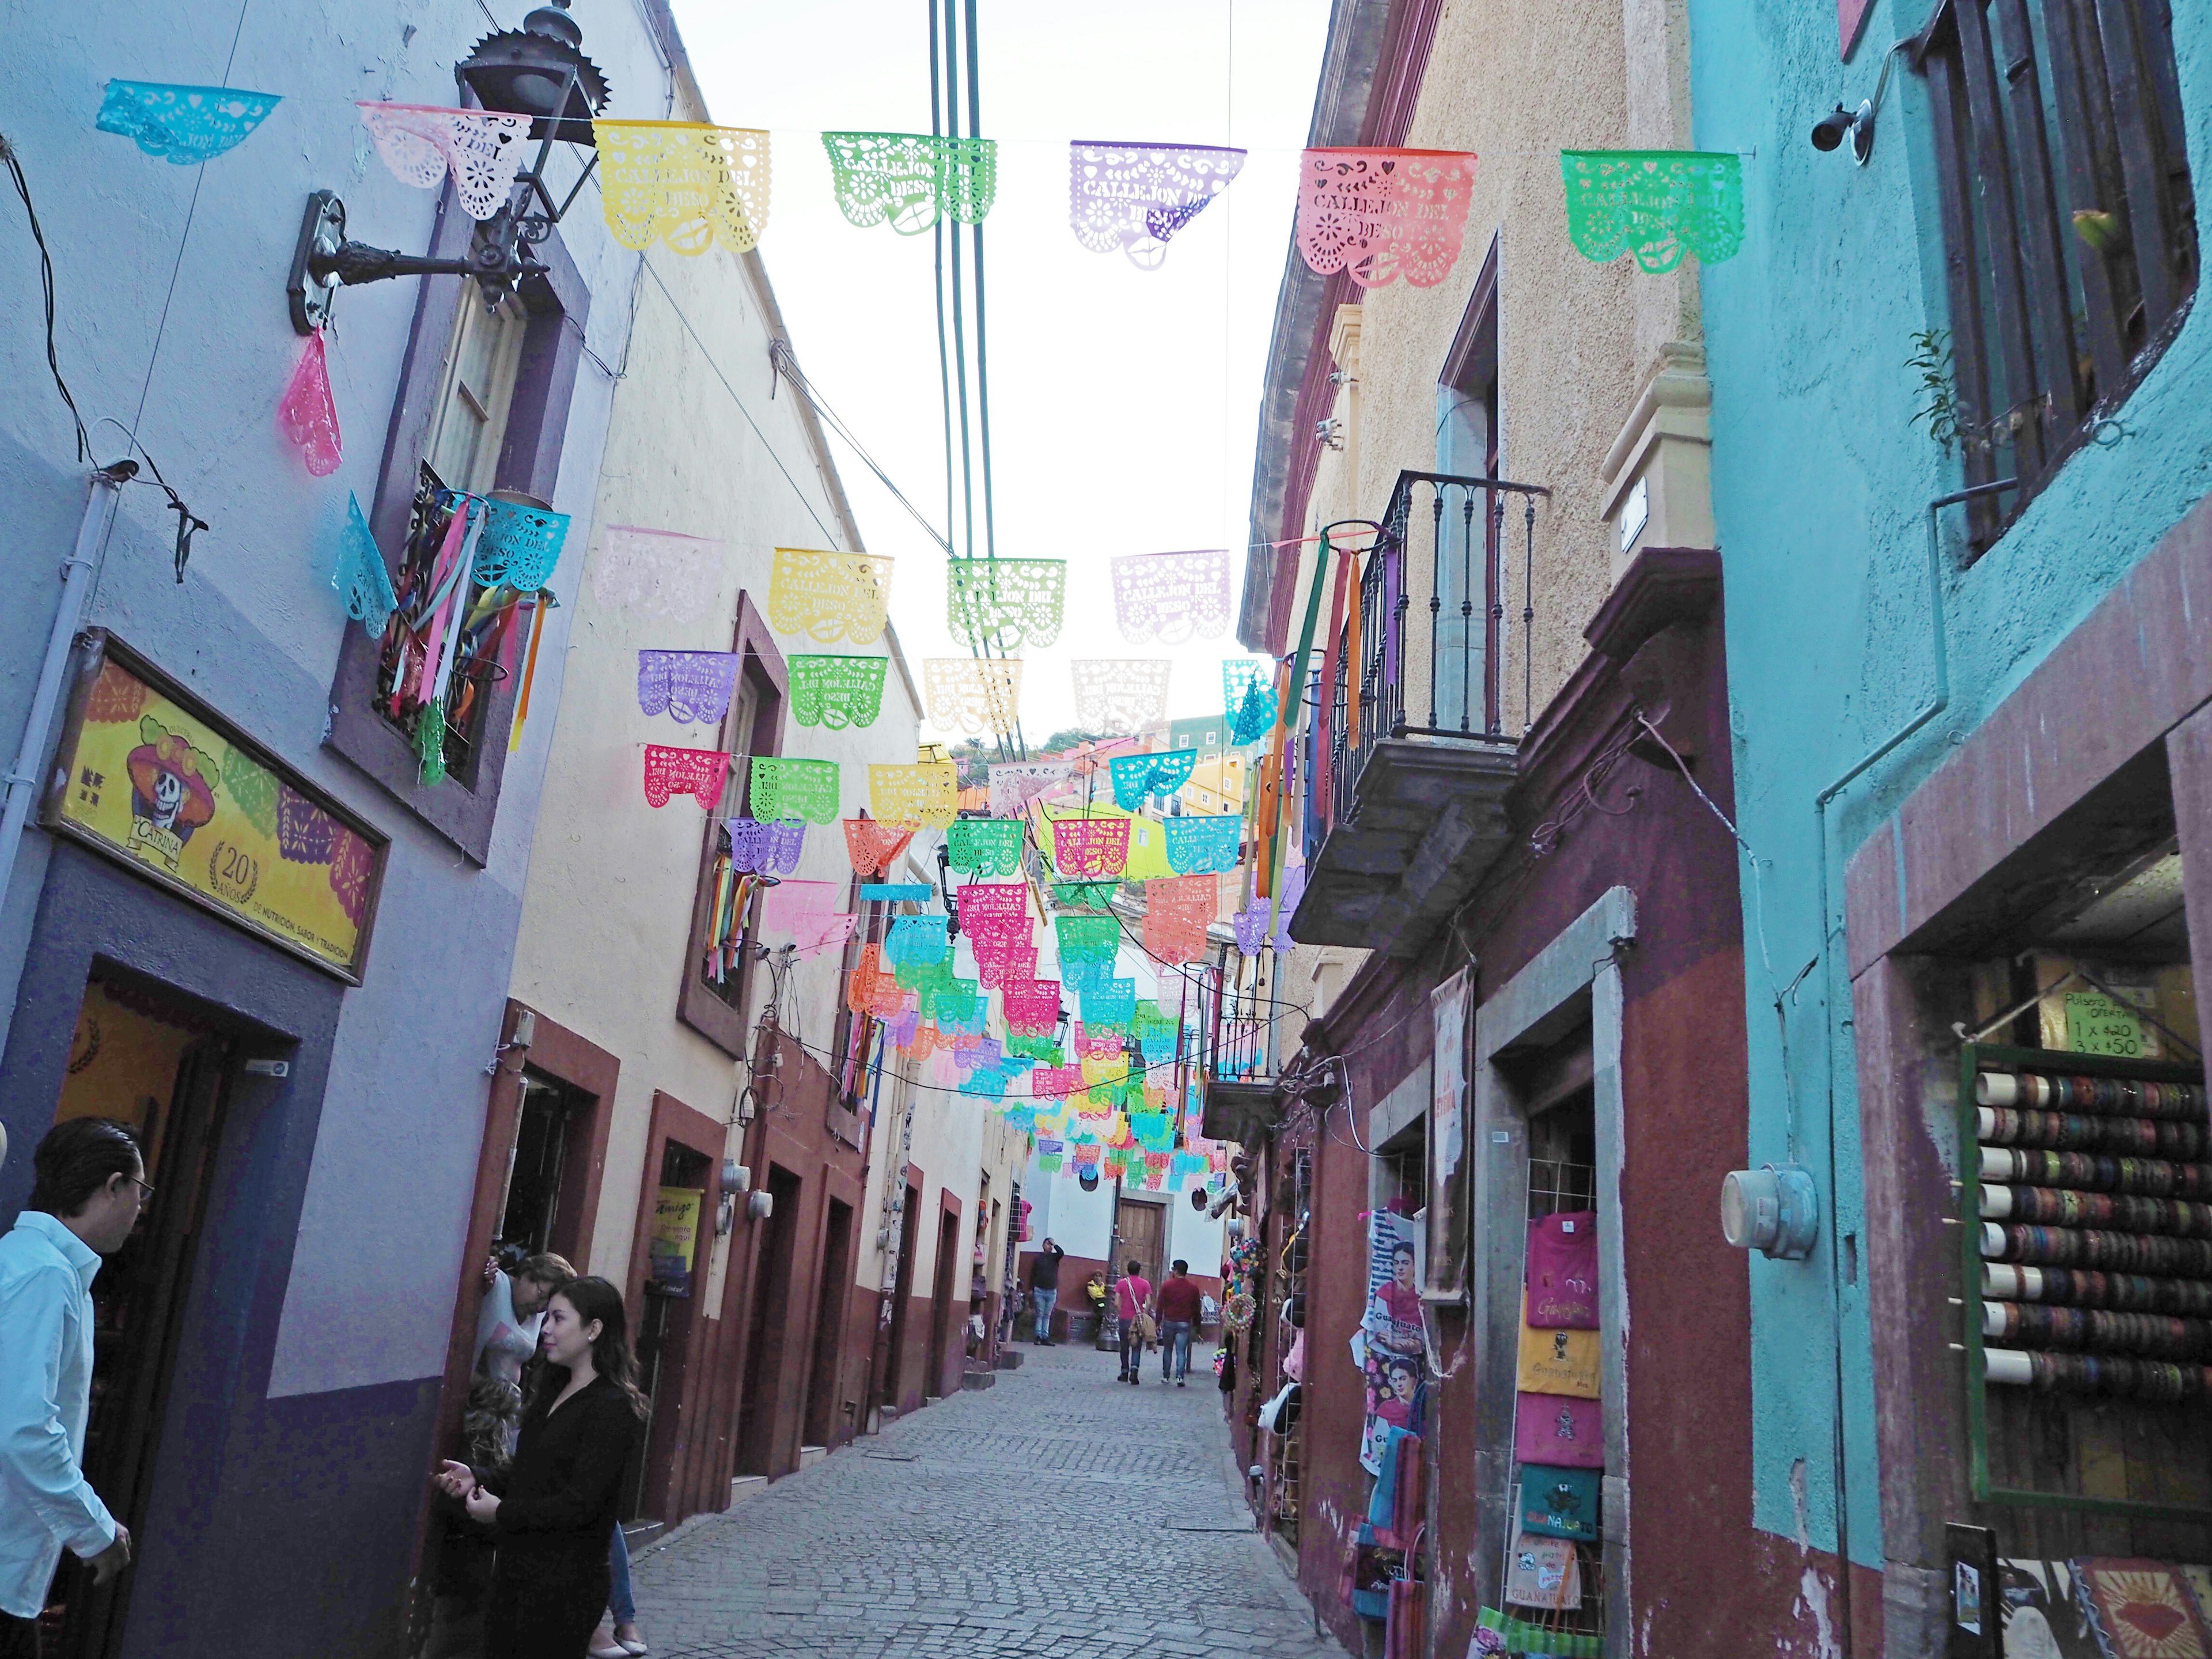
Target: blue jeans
{"x": 1174, "y": 1348}
{"x": 620, "y": 1601}
{"x": 1043, "y": 1299}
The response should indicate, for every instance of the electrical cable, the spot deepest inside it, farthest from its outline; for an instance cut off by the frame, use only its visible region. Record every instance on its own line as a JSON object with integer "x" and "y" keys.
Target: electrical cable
{"x": 46, "y": 283}
{"x": 709, "y": 358}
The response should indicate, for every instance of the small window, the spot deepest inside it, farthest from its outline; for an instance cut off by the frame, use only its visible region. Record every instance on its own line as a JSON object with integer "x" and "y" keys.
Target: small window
{"x": 2069, "y": 227}
{"x": 461, "y": 454}
{"x": 729, "y": 898}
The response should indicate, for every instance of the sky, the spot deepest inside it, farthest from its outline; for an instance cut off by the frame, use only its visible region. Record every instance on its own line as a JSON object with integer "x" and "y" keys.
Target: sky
{"x": 1124, "y": 403}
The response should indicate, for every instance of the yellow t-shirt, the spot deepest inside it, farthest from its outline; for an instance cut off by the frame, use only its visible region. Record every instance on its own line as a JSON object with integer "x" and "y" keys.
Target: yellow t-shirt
{"x": 1555, "y": 1361}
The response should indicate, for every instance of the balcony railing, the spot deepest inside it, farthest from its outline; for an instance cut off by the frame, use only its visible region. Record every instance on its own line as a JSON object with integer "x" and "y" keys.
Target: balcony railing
{"x": 1433, "y": 644}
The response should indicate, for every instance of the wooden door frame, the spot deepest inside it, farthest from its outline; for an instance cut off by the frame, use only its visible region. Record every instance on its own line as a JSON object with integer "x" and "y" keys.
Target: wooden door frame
{"x": 940, "y": 1331}
{"x": 688, "y": 1126}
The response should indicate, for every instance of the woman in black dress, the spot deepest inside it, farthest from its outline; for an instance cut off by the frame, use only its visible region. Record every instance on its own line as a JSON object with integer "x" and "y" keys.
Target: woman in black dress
{"x": 552, "y": 1510}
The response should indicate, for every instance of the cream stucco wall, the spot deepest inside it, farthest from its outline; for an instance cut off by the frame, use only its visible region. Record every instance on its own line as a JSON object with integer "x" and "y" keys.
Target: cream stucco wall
{"x": 605, "y": 934}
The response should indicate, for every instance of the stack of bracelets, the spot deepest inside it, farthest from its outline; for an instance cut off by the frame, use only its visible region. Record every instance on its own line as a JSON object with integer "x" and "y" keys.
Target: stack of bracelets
{"x": 2096, "y": 1236}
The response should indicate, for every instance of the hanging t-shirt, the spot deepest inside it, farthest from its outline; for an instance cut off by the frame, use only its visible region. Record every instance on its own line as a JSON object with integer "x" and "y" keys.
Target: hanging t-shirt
{"x": 1558, "y": 1429}
{"x": 1559, "y": 1502}
{"x": 1557, "y": 1362}
{"x": 505, "y": 1343}
{"x": 1563, "y": 1272}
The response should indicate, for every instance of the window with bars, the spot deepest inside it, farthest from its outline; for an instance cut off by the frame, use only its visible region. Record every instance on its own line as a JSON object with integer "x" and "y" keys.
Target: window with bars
{"x": 2069, "y": 225}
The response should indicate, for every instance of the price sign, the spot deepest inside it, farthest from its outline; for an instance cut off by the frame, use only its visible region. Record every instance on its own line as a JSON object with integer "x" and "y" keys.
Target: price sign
{"x": 2099, "y": 1025}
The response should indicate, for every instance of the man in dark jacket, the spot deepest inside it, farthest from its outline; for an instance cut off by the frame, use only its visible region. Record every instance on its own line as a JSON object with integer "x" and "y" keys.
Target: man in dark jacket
{"x": 1044, "y": 1288}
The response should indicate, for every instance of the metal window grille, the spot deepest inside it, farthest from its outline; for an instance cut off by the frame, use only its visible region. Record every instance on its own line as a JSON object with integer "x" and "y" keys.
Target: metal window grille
{"x": 2069, "y": 219}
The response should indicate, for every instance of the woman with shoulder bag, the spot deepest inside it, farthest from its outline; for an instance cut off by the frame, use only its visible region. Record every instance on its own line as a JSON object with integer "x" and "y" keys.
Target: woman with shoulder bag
{"x": 552, "y": 1511}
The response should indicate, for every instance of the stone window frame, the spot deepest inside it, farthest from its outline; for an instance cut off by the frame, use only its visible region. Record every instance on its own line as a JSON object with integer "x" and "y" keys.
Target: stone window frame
{"x": 559, "y": 304}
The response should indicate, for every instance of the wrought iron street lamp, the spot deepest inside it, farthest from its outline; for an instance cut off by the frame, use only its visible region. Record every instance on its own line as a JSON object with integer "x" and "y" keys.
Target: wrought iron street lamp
{"x": 538, "y": 70}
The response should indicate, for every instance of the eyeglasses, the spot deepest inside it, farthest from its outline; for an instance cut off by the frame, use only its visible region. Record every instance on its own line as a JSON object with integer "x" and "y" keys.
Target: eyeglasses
{"x": 145, "y": 1191}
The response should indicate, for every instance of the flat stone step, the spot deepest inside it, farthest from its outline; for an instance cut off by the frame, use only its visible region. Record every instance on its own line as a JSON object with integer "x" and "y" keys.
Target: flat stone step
{"x": 978, "y": 1379}
{"x": 746, "y": 1486}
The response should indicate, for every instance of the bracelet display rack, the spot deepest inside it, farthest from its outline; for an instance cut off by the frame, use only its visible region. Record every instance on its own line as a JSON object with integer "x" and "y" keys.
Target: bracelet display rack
{"x": 2085, "y": 1223}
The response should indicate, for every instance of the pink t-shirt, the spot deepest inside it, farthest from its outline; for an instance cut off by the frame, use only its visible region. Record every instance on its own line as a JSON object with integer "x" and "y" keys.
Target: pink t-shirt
{"x": 1134, "y": 1293}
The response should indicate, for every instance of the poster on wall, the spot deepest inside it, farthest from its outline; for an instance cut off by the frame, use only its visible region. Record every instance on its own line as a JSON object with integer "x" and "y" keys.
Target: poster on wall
{"x": 1389, "y": 1346}
{"x": 675, "y": 1239}
{"x": 149, "y": 776}
{"x": 1449, "y": 1107}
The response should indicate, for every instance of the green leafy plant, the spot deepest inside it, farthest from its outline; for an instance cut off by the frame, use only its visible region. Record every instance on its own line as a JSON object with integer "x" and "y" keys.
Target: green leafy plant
{"x": 1931, "y": 357}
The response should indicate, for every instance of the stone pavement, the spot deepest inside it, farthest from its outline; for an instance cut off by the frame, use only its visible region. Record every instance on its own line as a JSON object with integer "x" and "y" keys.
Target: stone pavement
{"x": 1059, "y": 1515}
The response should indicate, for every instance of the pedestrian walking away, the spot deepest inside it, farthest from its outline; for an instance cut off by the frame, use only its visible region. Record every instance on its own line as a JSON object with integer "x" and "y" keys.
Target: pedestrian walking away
{"x": 88, "y": 1188}
{"x": 1133, "y": 1295}
{"x": 1178, "y": 1302}
{"x": 1044, "y": 1289}
{"x": 552, "y": 1512}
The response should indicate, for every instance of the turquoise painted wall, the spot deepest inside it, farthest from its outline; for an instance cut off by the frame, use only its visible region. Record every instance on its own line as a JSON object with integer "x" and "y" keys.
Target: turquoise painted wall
{"x": 1820, "y": 486}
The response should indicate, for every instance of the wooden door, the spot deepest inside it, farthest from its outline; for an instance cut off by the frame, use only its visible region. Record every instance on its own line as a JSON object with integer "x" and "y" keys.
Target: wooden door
{"x": 1143, "y": 1229}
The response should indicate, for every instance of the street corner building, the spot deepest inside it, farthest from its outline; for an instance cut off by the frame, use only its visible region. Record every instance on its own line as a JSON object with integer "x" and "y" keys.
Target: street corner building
{"x": 333, "y": 862}
{"x": 1717, "y": 1074}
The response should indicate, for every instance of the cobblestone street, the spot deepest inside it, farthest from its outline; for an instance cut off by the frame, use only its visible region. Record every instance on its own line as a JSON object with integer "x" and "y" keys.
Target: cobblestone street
{"x": 1058, "y": 1514}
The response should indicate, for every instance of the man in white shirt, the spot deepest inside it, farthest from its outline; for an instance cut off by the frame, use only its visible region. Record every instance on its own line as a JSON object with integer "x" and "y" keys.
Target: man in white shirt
{"x": 89, "y": 1187}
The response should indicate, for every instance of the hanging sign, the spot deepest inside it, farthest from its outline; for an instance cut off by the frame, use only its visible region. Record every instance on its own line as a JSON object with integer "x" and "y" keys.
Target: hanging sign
{"x": 1004, "y": 603}
{"x": 698, "y": 773}
{"x": 986, "y": 846}
{"x": 685, "y": 183}
{"x": 1015, "y": 784}
{"x": 421, "y": 144}
{"x": 926, "y": 793}
{"x": 1171, "y": 597}
{"x": 1382, "y": 213}
{"x": 361, "y": 575}
{"x": 1137, "y": 777}
{"x": 1088, "y": 847}
{"x": 972, "y": 694}
{"x": 1200, "y": 845}
{"x": 656, "y": 572}
{"x": 1121, "y": 694}
{"x": 837, "y": 692}
{"x": 1659, "y": 205}
{"x": 149, "y": 776}
{"x": 694, "y": 686}
{"x": 306, "y": 415}
{"x": 183, "y": 124}
{"x": 767, "y": 849}
{"x": 830, "y": 597}
{"x": 874, "y": 846}
{"x": 912, "y": 180}
{"x": 784, "y": 788}
{"x": 675, "y": 1237}
{"x": 1135, "y": 197}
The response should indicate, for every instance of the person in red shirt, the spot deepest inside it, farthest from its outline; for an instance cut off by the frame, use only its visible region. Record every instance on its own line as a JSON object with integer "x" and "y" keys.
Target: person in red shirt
{"x": 1178, "y": 1304}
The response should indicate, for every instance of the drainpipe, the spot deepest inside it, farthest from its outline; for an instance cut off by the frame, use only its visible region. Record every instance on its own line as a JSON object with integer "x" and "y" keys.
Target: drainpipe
{"x": 24, "y": 778}
{"x": 1940, "y": 642}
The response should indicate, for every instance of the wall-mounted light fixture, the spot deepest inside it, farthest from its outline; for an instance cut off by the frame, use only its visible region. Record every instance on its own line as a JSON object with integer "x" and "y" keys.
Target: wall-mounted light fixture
{"x": 538, "y": 70}
{"x": 1832, "y": 129}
